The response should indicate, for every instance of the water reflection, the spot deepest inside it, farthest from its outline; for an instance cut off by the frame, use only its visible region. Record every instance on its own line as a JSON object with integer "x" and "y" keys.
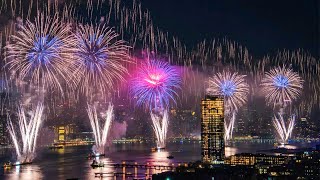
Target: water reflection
{"x": 108, "y": 170}
{"x": 28, "y": 172}
{"x": 72, "y": 162}
{"x": 287, "y": 146}
{"x": 60, "y": 151}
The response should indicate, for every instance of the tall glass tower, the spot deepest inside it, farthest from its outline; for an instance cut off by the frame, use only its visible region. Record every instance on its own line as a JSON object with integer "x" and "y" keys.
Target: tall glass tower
{"x": 212, "y": 129}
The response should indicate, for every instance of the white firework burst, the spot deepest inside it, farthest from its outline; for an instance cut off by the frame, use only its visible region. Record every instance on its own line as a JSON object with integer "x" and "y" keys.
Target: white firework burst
{"x": 231, "y": 86}
{"x": 39, "y": 52}
{"x": 98, "y": 58}
{"x": 281, "y": 85}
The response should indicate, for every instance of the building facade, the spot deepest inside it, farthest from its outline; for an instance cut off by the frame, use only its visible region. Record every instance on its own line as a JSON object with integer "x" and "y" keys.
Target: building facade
{"x": 212, "y": 129}
{"x": 64, "y": 133}
{"x": 249, "y": 159}
{"x": 3, "y": 131}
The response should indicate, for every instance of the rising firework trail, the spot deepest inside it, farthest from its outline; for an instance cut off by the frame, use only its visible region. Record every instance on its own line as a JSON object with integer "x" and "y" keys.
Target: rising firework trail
{"x": 154, "y": 87}
{"x": 39, "y": 52}
{"x": 98, "y": 58}
{"x": 235, "y": 90}
{"x": 25, "y": 139}
{"x": 281, "y": 86}
{"x": 160, "y": 127}
{"x": 228, "y": 126}
{"x": 100, "y": 131}
{"x": 283, "y": 129}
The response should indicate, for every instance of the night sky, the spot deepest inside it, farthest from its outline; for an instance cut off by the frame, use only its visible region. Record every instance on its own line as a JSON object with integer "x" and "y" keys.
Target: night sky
{"x": 264, "y": 26}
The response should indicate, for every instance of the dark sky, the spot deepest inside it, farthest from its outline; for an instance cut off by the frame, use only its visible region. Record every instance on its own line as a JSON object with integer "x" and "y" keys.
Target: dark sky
{"x": 261, "y": 25}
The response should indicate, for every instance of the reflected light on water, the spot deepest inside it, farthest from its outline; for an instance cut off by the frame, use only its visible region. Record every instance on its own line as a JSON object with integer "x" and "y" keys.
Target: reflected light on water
{"x": 287, "y": 146}
{"x": 28, "y": 172}
{"x": 159, "y": 158}
{"x": 107, "y": 169}
{"x": 61, "y": 150}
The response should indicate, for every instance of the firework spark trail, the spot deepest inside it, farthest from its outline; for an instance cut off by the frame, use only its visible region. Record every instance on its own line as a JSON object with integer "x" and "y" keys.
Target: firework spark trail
{"x": 28, "y": 130}
{"x": 228, "y": 126}
{"x": 155, "y": 84}
{"x": 281, "y": 127}
{"x": 98, "y": 58}
{"x": 154, "y": 87}
{"x": 100, "y": 134}
{"x": 235, "y": 90}
{"x": 160, "y": 127}
{"x": 40, "y": 52}
{"x": 281, "y": 85}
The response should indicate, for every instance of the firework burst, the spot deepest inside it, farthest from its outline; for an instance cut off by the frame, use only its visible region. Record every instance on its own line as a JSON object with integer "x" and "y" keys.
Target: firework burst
{"x": 281, "y": 85}
{"x": 98, "y": 58}
{"x": 38, "y": 52}
{"x": 232, "y": 87}
{"x": 235, "y": 90}
{"x": 155, "y": 84}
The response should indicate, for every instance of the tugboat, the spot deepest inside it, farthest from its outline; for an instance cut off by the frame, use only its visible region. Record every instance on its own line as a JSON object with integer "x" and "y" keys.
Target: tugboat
{"x": 9, "y": 164}
{"x": 91, "y": 155}
{"x": 56, "y": 147}
{"x": 170, "y": 157}
{"x": 96, "y": 164}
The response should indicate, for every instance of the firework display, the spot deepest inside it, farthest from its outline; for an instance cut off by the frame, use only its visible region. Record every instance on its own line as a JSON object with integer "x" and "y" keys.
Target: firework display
{"x": 81, "y": 50}
{"x": 39, "y": 52}
{"x": 98, "y": 58}
{"x": 281, "y": 85}
{"x": 284, "y": 129}
{"x": 155, "y": 84}
{"x": 235, "y": 90}
{"x": 27, "y": 133}
{"x": 100, "y": 131}
{"x": 160, "y": 127}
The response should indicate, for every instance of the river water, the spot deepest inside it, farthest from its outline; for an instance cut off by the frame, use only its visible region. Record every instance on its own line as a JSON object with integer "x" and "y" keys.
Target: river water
{"x": 71, "y": 162}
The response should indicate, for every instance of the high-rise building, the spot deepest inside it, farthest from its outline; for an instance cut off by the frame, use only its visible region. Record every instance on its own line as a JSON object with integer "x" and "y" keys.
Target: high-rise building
{"x": 212, "y": 129}
{"x": 3, "y": 137}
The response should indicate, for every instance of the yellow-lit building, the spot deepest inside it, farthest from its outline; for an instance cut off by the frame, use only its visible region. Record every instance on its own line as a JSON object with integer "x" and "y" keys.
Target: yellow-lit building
{"x": 241, "y": 159}
{"x": 64, "y": 132}
{"x": 253, "y": 159}
{"x": 212, "y": 129}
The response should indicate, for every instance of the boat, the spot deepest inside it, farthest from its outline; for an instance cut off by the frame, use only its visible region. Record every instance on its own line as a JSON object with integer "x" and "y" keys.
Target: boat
{"x": 8, "y": 165}
{"x": 154, "y": 149}
{"x": 56, "y": 147}
{"x": 95, "y": 155}
{"x": 97, "y": 165}
{"x": 170, "y": 157}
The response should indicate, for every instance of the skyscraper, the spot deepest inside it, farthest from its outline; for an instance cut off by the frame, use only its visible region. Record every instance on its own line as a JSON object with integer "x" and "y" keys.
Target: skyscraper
{"x": 3, "y": 138}
{"x": 212, "y": 129}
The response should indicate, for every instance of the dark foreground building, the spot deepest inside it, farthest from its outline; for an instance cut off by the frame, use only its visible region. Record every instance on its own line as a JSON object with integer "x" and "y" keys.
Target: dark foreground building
{"x": 301, "y": 165}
